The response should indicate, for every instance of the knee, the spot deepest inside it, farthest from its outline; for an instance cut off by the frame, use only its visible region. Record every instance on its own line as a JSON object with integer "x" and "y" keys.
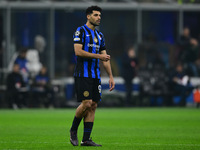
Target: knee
{"x": 94, "y": 106}
{"x": 87, "y": 104}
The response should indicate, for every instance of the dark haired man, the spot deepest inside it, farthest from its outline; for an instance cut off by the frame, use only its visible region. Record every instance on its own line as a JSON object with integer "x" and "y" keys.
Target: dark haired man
{"x": 15, "y": 84}
{"x": 89, "y": 47}
{"x": 23, "y": 62}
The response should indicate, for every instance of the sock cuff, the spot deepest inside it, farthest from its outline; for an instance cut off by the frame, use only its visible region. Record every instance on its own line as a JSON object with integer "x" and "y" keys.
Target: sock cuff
{"x": 75, "y": 123}
{"x": 79, "y": 119}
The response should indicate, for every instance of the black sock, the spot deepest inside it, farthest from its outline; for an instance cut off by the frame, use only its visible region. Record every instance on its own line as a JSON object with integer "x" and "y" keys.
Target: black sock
{"x": 87, "y": 130}
{"x": 75, "y": 123}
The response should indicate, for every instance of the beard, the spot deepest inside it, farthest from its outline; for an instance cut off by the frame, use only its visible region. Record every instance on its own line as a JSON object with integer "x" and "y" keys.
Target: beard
{"x": 94, "y": 24}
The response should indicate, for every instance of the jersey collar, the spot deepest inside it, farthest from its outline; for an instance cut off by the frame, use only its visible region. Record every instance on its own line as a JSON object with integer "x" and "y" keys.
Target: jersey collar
{"x": 89, "y": 28}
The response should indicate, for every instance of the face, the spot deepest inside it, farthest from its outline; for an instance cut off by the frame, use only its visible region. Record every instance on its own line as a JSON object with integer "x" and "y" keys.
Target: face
{"x": 23, "y": 55}
{"x": 186, "y": 32}
{"x": 16, "y": 68}
{"x": 179, "y": 68}
{"x": 43, "y": 70}
{"x": 131, "y": 53}
{"x": 94, "y": 18}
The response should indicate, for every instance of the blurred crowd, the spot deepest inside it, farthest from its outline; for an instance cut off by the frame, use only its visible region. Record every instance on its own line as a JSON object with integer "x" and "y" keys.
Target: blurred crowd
{"x": 28, "y": 83}
{"x": 168, "y": 80}
{"x": 158, "y": 79}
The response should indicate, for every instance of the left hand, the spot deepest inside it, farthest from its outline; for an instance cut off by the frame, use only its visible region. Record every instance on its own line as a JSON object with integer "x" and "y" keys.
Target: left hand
{"x": 111, "y": 84}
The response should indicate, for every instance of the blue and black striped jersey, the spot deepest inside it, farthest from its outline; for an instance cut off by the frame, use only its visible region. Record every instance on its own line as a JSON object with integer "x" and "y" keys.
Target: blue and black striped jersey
{"x": 93, "y": 42}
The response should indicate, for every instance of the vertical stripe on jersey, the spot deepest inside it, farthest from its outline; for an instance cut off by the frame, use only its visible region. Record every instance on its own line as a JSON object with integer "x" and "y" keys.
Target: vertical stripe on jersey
{"x": 82, "y": 65}
{"x": 85, "y": 48}
{"x": 90, "y": 51}
{"x": 93, "y": 60}
{"x": 97, "y": 51}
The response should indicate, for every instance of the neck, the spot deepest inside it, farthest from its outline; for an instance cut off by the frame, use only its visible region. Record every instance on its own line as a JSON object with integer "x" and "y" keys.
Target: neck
{"x": 90, "y": 25}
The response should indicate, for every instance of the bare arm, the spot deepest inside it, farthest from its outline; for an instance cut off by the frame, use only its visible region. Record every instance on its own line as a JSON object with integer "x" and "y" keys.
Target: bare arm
{"x": 107, "y": 67}
{"x": 81, "y": 53}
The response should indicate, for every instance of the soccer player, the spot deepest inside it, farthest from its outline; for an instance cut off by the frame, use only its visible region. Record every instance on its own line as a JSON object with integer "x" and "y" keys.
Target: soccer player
{"x": 89, "y": 47}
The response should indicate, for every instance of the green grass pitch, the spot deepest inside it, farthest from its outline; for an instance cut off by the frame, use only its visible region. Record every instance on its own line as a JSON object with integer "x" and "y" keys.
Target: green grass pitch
{"x": 114, "y": 128}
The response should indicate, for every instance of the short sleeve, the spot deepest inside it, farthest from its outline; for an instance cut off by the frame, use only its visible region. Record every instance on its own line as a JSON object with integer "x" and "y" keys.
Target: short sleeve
{"x": 78, "y": 36}
{"x": 102, "y": 46}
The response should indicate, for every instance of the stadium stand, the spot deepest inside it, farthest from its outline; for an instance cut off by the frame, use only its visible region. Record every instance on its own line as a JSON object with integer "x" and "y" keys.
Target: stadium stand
{"x": 152, "y": 26}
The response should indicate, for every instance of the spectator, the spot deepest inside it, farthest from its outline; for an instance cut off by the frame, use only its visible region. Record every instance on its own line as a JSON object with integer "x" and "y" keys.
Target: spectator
{"x": 180, "y": 84}
{"x": 42, "y": 90}
{"x": 189, "y": 52}
{"x": 184, "y": 39}
{"x": 183, "y": 43}
{"x": 16, "y": 90}
{"x": 34, "y": 64}
{"x": 197, "y": 63}
{"x": 129, "y": 66}
{"x": 23, "y": 62}
{"x": 39, "y": 46}
{"x": 191, "y": 57}
{"x": 196, "y": 96}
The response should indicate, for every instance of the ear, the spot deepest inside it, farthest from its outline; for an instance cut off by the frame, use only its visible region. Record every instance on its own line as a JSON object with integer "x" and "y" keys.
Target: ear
{"x": 88, "y": 16}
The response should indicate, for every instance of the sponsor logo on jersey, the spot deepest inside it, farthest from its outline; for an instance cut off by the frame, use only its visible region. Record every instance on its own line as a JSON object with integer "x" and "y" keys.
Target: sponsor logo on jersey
{"x": 93, "y": 45}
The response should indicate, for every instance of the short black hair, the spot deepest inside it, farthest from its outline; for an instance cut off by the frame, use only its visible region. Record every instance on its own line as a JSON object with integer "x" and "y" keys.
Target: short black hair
{"x": 90, "y": 9}
{"x": 23, "y": 50}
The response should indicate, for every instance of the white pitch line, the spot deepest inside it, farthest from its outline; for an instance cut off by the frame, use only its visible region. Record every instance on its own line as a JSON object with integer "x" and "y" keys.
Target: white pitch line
{"x": 30, "y": 142}
{"x": 158, "y": 144}
{"x": 142, "y": 144}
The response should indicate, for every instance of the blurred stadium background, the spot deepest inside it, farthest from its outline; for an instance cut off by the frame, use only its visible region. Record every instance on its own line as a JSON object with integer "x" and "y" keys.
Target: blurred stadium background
{"x": 153, "y": 27}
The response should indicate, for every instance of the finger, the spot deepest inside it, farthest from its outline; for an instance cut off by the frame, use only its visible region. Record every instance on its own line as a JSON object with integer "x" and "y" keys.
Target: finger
{"x": 109, "y": 84}
{"x": 112, "y": 87}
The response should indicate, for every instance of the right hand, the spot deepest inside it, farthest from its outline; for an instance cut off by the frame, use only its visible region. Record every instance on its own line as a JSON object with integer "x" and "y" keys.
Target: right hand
{"x": 104, "y": 57}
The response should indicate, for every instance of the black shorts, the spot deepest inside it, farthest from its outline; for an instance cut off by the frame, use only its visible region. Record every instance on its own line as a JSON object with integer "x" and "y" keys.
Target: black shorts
{"x": 88, "y": 89}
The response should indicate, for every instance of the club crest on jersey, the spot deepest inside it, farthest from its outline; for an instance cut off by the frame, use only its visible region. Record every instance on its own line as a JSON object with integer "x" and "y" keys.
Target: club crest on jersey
{"x": 95, "y": 40}
{"x": 86, "y": 93}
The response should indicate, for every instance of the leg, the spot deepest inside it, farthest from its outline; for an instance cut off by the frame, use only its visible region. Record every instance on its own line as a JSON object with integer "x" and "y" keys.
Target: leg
{"x": 83, "y": 108}
{"x": 13, "y": 99}
{"x": 87, "y": 91}
{"x": 89, "y": 116}
{"x": 81, "y": 111}
{"x": 88, "y": 125}
{"x": 128, "y": 85}
{"x": 89, "y": 121}
{"x": 50, "y": 94}
{"x": 198, "y": 104}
